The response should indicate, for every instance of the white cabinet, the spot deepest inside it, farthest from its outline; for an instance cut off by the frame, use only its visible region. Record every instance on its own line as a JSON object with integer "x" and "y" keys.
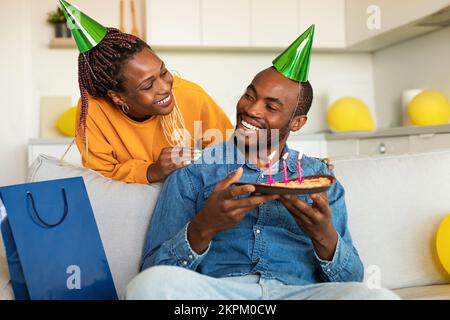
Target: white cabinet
{"x": 274, "y": 23}
{"x": 342, "y": 148}
{"x": 429, "y": 142}
{"x": 244, "y": 23}
{"x": 173, "y": 22}
{"x": 364, "y": 25}
{"x": 329, "y": 18}
{"x": 368, "y": 19}
{"x": 226, "y": 23}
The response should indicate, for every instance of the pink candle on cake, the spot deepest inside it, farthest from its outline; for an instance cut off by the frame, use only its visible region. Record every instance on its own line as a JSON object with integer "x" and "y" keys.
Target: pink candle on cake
{"x": 299, "y": 167}
{"x": 269, "y": 166}
{"x": 285, "y": 179}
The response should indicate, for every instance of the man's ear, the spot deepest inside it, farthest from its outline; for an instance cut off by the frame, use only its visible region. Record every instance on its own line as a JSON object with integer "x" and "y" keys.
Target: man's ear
{"x": 116, "y": 98}
{"x": 298, "y": 122}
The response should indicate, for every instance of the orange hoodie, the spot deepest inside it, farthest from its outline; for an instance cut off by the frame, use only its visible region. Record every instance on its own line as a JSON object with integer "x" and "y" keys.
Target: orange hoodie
{"x": 123, "y": 149}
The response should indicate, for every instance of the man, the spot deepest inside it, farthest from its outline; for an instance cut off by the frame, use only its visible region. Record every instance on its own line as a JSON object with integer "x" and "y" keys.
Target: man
{"x": 209, "y": 240}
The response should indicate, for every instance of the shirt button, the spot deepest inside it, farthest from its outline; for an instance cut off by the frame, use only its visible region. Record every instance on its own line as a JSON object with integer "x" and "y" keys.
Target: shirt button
{"x": 191, "y": 256}
{"x": 328, "y": 270}
{"x": 184, "y": 263}
{"x": 258, "y": 231}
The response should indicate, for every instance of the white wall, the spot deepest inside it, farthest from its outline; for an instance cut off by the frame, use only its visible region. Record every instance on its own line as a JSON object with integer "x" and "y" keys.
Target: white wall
{"x": 55, "y": 71}
{"x": 15, "y": 84}
{"x": 226, "y": 75}
{"x": 423, "y": 62}
{"x": 394, "y": 13}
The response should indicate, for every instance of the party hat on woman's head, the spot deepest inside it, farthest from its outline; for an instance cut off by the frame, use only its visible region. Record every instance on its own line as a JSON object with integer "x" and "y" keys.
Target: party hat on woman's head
{"x": 86, "y": 31}
{"x": 294, "y": 61}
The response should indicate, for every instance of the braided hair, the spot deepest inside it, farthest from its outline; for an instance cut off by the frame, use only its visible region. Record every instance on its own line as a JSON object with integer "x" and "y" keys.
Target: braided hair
{"x": 100, "y": 69}
{"x": 305, "y": 98}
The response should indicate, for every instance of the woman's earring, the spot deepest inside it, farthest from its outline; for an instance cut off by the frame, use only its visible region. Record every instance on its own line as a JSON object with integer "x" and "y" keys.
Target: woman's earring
{"x": 125, "y": 109}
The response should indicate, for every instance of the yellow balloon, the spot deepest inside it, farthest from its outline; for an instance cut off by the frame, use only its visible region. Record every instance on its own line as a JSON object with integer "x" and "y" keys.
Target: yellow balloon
{"x": 349, "y": 114}
{"x": 443, "y": 243}
{"x": 66, "y": 123}
{"x": 429, "y": 108}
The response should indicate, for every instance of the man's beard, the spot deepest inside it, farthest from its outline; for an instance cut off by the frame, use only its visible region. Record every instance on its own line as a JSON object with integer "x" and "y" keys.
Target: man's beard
{"x": 264, "y": 140}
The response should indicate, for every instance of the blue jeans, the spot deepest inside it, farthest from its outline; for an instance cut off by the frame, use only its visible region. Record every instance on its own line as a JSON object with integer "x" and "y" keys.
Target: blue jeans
{"x": 175, "y": 283}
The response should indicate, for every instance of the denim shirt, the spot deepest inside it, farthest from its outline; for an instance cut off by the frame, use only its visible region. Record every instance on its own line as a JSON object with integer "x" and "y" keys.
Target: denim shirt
{"x": 267, "y": 242}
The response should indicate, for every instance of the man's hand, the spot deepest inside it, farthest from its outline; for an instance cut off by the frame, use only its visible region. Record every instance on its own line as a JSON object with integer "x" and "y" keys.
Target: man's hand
{"x": 315, "y": 221}
{"x": 223, "y": 210}
{"x": 170, "y": 159}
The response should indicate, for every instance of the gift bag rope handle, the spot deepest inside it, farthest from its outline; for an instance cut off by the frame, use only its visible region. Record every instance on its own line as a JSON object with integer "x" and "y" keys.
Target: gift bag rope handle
{"x": 38, "y": 216}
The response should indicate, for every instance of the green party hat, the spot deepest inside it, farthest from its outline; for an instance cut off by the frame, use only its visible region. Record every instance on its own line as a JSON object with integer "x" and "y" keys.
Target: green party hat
{"x": 86, "y": 31}
{"x": 293, "y": 63}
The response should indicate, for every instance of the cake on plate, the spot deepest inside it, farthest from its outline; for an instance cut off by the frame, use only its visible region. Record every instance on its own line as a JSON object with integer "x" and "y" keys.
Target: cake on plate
{"x": 307, "y": 183}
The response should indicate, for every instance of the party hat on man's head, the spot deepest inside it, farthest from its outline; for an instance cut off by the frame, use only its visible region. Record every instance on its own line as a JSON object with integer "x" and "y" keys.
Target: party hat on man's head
{"x": 294, "y": 61}
{"x": 86, "y": 31}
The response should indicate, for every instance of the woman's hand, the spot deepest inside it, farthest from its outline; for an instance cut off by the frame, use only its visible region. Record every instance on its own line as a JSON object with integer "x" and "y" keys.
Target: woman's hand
{"x": 327, "y": 162}
{"x": 170, "y": 159}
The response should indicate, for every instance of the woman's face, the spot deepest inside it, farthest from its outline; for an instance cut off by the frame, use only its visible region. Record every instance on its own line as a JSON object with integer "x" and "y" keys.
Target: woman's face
{"x": 148, "y": 86}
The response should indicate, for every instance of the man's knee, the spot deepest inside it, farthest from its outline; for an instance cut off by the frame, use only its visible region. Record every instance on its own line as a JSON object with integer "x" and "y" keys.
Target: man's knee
{"x": 155, "y": 283}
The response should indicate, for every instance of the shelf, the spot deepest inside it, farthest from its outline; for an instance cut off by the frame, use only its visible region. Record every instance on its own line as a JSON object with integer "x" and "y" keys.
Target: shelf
{"x": 390, "y": 132}
{"x": 62, "y": 43}
{"x": 381, "y": 133}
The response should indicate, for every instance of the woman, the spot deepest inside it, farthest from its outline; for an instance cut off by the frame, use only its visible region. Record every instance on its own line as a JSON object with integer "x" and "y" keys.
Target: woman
{"x": 133, "y": 114}
{"x": 131, "y": 110}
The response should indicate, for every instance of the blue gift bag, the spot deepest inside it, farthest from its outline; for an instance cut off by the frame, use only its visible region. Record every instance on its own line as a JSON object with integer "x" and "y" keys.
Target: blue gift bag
{"x": 52, "y": 243}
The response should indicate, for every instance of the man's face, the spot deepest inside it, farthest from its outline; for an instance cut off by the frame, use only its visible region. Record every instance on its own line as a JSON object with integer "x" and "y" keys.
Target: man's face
{"x": 268, "y": 103}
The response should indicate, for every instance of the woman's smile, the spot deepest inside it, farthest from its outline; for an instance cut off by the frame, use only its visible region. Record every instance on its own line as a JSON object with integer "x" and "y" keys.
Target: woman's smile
{"x": 166, "y": 102}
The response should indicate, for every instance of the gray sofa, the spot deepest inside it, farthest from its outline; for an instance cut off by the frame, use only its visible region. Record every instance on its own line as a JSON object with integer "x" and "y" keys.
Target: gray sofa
{"x": 395, "y": 205}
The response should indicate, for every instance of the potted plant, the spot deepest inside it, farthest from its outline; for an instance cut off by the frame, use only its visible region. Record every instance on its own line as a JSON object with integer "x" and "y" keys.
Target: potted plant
{"x": 58, "y": 19}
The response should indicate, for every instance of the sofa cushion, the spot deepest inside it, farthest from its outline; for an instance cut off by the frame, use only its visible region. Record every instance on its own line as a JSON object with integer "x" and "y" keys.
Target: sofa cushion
{"x": 122, "y": 212}
{"x": 395, "y": 205}
{"x": 438, "y": 292}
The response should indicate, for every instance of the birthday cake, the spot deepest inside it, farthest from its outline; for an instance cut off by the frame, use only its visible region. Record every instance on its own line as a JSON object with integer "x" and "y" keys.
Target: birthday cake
{"x": 307, "y": 183}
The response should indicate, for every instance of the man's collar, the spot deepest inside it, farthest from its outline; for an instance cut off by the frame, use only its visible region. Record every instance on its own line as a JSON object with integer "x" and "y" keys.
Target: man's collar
{"x": 291, "y": 162}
